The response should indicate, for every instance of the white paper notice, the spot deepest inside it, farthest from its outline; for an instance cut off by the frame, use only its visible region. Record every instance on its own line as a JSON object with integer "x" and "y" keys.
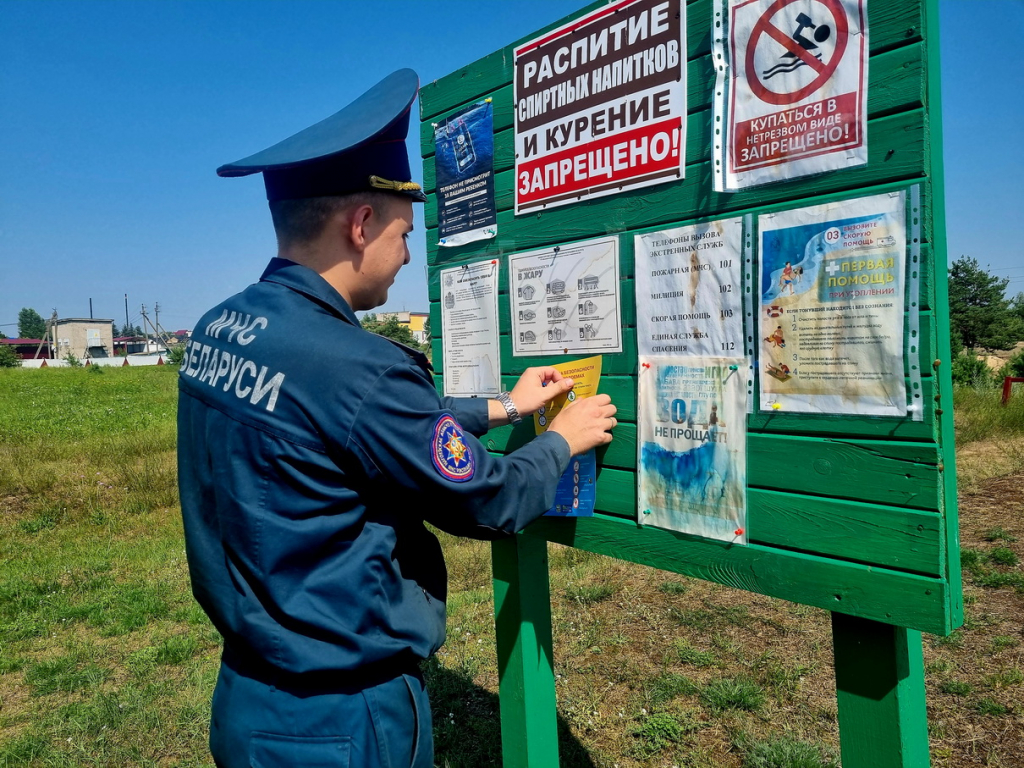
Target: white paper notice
{"x": 691, "y": 463}
{"x": 689, "y": 290}
{"x": 565, "y": 299}
{"x": 832, "y": 307}
{"x": 469, "y": 320}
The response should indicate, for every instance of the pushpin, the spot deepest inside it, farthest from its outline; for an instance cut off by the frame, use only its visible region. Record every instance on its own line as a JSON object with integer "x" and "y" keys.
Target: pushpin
{"x": 647, "y": 511}
{"x": 488, "y": 99}
{"x": 734, "y": 367}
{"x": 738, "y": 531}
{"x": 645, "y": 365}
{"x": 494, "y": 261}
{"x": 776, "y": 406}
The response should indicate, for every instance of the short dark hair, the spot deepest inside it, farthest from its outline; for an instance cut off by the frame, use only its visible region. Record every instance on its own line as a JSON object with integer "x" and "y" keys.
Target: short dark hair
{"x": 303, "y": 220}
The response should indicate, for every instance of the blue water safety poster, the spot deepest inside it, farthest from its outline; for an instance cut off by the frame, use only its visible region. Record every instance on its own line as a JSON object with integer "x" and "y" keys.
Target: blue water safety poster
{"x": 692, "y": 458}
{"x": 464, "y": 165}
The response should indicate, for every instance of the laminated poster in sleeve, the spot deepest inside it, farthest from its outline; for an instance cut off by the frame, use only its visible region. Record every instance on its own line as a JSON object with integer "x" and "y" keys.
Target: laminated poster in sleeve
{"x": 831, "y": 318}
{"x": 464, "y": 165}
{"x": 692, "y": 446}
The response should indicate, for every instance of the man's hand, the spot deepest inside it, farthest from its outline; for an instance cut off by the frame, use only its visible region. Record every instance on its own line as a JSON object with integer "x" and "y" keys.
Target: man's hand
{"x": 585, "y": 423}
{"x": 537, "y": 387}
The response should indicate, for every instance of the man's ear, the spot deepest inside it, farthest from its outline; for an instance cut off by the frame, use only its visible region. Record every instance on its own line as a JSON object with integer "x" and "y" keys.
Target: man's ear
{"x": 357, "y": 226}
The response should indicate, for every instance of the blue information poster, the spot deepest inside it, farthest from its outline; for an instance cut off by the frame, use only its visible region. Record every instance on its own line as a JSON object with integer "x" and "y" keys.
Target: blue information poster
{"x": 464, "y": 164}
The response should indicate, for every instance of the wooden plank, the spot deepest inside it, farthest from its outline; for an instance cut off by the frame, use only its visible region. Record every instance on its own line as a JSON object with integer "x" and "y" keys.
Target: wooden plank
{"x": 895, "y": 156}
{"x": 850, "y": 425}
{"x": 891, "y": 25}
{"x": 883, "y": 719}
{"x": 935, "y": 231}
{"x": 901, "y": 539}
{"x": 526, "y": 676}
{"x": 906, "y": 600}
{"x": 878, "y": 471}
{"x": 903, "y": 474}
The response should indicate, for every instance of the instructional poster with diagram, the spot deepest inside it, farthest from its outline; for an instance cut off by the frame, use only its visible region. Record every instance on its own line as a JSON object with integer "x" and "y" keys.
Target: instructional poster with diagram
{"x": 692, "y": 458}
{"x": 469, "y": 320}
{"x": 464, "y": 166}
{"x": 576, "y": 494}
{"x": 832, "y": 307}
{"x": 689, "y": 290}
{"x": 565, "y": 299}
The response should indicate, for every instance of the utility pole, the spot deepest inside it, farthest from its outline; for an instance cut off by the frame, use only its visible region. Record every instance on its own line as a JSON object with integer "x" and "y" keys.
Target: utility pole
{"x": 156, "y": 333}
{"x": 163, "y": 332}
{"x": 50, "y": 334}
{"x": 125, "y": 331}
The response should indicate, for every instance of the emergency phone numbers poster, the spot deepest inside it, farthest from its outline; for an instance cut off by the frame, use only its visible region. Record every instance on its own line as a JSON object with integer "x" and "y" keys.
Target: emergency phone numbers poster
{"x": 832, "y": 307}
{"x": 791, "y": 90}
{"x": 600, "y": 104}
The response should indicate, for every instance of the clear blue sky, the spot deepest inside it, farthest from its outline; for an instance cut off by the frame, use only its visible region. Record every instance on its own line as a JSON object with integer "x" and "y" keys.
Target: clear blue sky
{"x": 115, "y": 115}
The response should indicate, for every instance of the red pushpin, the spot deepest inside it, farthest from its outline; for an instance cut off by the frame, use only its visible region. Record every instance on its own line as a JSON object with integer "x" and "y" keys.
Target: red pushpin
{"x": 494, "y": 261}
{"x": 646, "y": 365}
{"x": 739, "y": 531}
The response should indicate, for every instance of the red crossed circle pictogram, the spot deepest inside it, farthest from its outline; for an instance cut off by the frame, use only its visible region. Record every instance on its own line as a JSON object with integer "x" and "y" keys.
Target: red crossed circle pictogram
{"x": 763, "y": 26}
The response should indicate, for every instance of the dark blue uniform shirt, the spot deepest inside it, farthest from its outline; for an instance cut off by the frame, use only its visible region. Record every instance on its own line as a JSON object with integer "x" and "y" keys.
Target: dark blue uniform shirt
{"x": 310, "y": 452}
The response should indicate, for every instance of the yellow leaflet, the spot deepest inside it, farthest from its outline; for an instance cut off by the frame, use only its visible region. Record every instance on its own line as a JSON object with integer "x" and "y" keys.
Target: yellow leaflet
{"x": 584, "y": 374}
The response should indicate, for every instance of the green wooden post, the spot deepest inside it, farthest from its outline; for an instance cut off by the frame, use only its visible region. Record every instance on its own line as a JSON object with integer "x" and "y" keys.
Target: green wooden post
{"x": 883, "y": 722}
{"x": 526, "y": 676}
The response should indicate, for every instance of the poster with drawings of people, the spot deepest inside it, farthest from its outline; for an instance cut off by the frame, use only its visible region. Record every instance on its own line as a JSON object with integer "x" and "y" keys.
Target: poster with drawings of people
{"x": 831, "y": 310}
{"x": 692, "y": 455}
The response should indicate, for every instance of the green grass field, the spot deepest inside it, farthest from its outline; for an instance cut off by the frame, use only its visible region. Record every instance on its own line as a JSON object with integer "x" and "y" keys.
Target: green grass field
{"x": 105, "y": 660}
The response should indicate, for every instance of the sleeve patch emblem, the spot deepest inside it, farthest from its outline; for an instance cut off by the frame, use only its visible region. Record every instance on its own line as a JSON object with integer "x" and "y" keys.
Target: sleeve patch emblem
{"x": 452, "y": 457}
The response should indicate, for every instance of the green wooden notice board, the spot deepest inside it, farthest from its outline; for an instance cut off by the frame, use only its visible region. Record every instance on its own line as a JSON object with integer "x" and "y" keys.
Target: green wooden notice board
{"x": 867, "y": 529}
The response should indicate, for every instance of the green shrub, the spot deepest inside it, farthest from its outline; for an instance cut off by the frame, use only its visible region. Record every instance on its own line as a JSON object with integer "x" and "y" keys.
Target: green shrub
{"x": 968, "y": 370}
{"x": 8, "y": 357}
{"x": 1014, "y": 366}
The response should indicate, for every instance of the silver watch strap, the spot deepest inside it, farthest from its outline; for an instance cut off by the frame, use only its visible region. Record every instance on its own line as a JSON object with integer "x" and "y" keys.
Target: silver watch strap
{"x": 506, "y": 401}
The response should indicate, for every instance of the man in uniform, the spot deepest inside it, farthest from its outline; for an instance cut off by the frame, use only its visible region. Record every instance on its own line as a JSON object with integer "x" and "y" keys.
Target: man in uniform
{"x": 311, "y": 452}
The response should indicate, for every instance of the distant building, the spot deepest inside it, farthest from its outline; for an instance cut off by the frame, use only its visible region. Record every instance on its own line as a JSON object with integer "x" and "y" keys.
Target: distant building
{"x": 83, "y": 337}
{"x": 137, "y": 345}
{"x": 26, "y": 348}
{"x": 416, "y": 322}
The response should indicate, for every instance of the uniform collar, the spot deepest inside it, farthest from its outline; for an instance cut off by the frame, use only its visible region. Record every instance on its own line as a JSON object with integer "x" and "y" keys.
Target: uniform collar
{"x": 307, "y": 282}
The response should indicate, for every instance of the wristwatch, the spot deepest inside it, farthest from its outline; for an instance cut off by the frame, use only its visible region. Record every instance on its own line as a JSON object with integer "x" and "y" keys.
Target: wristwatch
{"x": 513, "y": 415}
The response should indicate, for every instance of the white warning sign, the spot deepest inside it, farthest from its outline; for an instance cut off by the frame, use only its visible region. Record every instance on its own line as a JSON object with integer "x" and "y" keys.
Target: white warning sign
{"x": 792, "y": 90}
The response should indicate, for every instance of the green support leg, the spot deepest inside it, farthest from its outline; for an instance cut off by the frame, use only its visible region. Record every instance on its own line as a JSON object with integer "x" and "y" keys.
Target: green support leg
{"x": 883, "y": 722}
{"x": 522, "y": 617}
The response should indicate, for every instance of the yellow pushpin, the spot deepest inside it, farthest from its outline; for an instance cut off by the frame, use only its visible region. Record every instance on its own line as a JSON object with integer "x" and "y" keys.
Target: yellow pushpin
{"x": 776, "y": 407}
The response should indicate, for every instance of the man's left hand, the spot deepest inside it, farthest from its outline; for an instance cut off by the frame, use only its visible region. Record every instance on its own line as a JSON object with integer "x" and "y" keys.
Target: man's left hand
{"x": 537, "y": 387}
